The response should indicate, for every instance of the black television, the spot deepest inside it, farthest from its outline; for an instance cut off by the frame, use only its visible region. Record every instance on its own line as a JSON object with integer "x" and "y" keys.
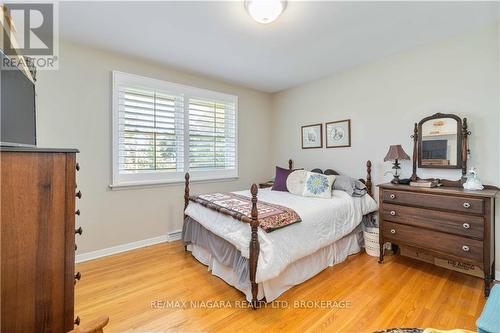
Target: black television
{"x": 435, "y": 149}
{"x": 17, "y": 107}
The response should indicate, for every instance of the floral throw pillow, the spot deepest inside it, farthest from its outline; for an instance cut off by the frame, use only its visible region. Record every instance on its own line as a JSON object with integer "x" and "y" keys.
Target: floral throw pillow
{"x": 318, "y": 185}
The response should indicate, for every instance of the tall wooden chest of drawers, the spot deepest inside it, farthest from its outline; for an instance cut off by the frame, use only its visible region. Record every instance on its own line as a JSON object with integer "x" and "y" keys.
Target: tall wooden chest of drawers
{"x": 38, "y": 239}
{"x": 447, "y": 222}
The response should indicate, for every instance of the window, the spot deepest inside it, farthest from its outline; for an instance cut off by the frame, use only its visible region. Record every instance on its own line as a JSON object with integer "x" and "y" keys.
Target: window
{"x": 212, "y": 135}
{"x": 162, "y": 130}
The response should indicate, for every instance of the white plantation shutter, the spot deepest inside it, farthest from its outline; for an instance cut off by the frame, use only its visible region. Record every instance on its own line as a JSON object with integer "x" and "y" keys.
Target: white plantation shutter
{"x": 151, "y": 131}
{"x": 212, "y": 135}
{"x": 159, "y": 132}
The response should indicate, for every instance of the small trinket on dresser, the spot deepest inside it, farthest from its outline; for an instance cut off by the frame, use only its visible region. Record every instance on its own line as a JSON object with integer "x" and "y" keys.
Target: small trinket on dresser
{"x": 473, "y": 182}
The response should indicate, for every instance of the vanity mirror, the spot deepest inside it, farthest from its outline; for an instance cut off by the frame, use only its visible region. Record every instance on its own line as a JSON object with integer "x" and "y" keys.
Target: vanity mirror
{"x": 440, "y": 142}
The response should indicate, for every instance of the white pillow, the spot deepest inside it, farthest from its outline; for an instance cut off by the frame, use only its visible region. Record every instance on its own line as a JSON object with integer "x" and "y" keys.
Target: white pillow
{"x": 318, "y": 185}
{"x": 295, "y": 182}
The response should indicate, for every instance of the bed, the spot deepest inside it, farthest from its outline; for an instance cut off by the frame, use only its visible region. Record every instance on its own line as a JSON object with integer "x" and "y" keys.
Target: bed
{"x": 262, "y": 264}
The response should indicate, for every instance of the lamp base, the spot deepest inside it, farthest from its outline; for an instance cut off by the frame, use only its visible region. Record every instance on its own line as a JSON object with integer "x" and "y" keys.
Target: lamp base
{"x": 396, "y": 168}
{"x": 395, "y": 180}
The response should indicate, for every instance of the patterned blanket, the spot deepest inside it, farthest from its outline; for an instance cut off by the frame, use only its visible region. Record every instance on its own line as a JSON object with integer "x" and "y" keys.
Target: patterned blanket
{"x": 271, "y": 216}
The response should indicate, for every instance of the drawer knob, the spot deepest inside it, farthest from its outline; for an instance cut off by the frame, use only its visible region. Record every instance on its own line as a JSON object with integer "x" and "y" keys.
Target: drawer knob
{"x": 77, "y": 212}
{"x": 77, "y": 320}
{"x": 466, "y": 225}
{"x": 465, "y": 248}
{"x": 79, "y": 194}
{"x": 78, "y": 276}
{"x": 393, "y": 213}
{"x": 77, "y": 167}
{"x": 393, "y": 231}
{"x": 392, "y": 196}
{"x": 76, "y": 247}
{"x": 466, "y": 204}
{"x": 79, "y": 231}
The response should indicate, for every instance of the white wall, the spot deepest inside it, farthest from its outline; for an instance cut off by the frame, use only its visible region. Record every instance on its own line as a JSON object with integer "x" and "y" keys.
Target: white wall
{"x": 74, "y": 110}
{"x": 385, "y": 98}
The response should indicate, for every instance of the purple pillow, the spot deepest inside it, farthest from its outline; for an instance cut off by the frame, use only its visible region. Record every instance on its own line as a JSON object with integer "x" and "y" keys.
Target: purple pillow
{"x": 280, "y": 179}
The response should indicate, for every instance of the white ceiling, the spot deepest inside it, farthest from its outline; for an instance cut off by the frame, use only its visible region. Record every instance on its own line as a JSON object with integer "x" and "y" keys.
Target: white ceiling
{"x": 310, "y": 40}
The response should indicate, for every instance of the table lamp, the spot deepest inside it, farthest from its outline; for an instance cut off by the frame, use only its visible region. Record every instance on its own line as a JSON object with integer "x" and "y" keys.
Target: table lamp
{"x": 395, "y": 154}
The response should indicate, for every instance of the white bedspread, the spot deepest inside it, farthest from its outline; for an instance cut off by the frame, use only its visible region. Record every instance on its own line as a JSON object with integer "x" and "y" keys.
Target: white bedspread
{"x": 324, "y": 221}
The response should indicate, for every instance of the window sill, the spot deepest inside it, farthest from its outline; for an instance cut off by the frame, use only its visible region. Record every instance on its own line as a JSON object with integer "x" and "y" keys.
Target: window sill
{"x": 152, "y": 184}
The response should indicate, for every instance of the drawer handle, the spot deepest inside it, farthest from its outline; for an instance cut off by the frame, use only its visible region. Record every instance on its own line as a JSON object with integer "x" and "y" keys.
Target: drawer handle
{"x": 77, "y": 320}
{"x": 465, "y": 248}
{"x": 466, "y": 204}
{"x": 392, "y": 196}
{"x": 393, "y": 213}
{"x": 466, "y": 225}
{"x": 393, "y": 231}
{"x": 79, "y": 194}
{"x": 79, "y": 231}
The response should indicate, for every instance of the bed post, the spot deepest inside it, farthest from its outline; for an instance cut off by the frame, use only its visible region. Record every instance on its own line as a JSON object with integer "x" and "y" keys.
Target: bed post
{"x": 186, "y": 191}
{"x": 290, "y": 164}
{"x": 369, "y": 177}
{"x": 254, "y": 246}
{"x": 186, "y": 199}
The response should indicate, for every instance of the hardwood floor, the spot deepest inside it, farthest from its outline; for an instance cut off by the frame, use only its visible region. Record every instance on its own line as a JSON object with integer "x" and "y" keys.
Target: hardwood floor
{"x": 399, "y": 293}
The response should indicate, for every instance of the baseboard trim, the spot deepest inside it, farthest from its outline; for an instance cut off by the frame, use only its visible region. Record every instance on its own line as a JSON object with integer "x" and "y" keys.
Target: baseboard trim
{"x": 171, "y": 236}
{"x": 174, "y": 235}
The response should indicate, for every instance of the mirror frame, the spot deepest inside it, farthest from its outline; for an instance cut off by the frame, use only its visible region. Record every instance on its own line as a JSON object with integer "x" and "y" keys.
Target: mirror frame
{"x": 459, "y": 164}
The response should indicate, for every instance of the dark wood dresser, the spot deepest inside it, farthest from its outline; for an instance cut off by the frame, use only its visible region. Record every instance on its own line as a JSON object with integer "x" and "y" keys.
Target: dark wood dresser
{"x": 266, "y": 184}
{"x": 446, "y": 222}
{"x": 38, "y": 191}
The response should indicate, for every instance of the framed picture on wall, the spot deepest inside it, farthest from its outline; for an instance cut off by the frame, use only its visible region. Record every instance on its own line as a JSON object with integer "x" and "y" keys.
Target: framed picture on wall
{"x": 338, "y": 134}
{"x": 312, "y": 136}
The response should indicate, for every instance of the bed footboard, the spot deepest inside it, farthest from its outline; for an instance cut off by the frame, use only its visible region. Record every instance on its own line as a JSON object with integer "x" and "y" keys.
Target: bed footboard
{"x": 254, "y": 240}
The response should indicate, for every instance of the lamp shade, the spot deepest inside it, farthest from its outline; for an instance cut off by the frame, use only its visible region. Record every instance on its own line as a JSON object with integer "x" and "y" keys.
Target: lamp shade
{"x": 396, "y": 152}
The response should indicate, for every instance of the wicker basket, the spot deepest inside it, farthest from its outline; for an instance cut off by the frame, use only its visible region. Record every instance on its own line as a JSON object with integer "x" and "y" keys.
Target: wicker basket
{"x": 371, "y": 241}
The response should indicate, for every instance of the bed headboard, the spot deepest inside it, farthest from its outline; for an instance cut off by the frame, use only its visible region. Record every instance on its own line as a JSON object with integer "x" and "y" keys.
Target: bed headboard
{"x": 367, "y": 181}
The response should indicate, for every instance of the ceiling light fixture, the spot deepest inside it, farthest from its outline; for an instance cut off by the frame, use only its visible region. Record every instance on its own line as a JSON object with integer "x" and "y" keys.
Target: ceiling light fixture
{"x": 265, "y": 11}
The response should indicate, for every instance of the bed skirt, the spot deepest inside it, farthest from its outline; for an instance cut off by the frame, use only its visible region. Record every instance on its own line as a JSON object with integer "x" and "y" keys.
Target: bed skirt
{"x": 227, "y": 263}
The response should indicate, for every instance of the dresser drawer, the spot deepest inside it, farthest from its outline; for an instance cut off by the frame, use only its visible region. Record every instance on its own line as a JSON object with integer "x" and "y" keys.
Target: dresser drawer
{"x": 458, "y": 224}
{"x": 459, "y": 204}
{"x": 457, "y": 246}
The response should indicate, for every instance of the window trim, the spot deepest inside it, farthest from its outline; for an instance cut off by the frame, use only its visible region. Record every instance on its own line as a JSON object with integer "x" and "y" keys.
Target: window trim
{"x": 158, "y": 177}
